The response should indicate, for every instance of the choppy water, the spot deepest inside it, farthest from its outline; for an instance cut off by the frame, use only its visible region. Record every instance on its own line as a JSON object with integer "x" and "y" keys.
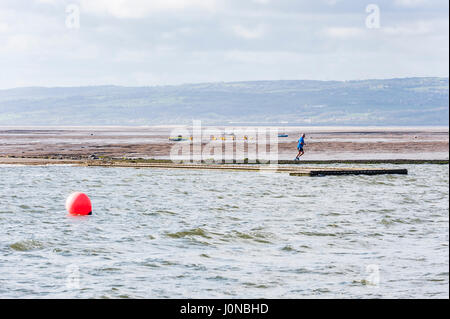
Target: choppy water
{"x": 207, "y": 234}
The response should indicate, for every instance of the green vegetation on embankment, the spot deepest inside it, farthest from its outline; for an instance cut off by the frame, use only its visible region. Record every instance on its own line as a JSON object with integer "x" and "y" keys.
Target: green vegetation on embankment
{"x": 285, "y": 162}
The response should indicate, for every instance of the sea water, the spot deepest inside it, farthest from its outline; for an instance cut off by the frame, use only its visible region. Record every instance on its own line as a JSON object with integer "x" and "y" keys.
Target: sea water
{"x": 159, "y": 233}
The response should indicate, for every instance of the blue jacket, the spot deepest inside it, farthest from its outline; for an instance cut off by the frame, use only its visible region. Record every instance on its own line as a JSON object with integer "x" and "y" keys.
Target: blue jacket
{"x": 301, "y": 142}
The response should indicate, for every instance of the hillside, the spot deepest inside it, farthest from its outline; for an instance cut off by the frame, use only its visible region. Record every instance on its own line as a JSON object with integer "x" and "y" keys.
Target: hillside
{"x": 409, "y": 101}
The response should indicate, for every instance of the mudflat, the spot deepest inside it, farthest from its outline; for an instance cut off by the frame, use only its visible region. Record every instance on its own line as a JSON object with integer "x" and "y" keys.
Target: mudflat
{"x": 323, "y": 143}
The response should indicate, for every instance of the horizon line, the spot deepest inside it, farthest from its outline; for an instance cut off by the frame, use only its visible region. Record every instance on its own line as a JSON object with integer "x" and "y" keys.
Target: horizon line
{"x": 222, "y": 82}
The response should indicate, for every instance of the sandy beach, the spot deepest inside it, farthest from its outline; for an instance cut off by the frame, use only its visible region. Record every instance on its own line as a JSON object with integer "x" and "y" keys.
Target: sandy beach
{"x": 323, "y": 143}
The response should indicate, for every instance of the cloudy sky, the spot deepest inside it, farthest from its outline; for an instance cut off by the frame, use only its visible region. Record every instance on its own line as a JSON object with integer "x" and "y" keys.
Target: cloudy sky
{"x": 160, "y": 42}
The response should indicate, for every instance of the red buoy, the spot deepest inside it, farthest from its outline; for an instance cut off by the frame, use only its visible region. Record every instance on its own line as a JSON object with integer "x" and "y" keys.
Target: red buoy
{"x": 79, "y": 204}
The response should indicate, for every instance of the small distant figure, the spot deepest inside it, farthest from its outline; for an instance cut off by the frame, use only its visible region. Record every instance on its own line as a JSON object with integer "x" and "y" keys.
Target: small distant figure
{"x": 301, "y": 143}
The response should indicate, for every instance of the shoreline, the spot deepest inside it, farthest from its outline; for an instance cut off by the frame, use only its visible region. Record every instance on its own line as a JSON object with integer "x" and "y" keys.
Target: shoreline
{"x": 115, "y": 162}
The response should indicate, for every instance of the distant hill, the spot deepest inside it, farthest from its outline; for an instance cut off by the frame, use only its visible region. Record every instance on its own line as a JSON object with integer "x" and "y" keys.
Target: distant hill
{"x": 409, "y": 101}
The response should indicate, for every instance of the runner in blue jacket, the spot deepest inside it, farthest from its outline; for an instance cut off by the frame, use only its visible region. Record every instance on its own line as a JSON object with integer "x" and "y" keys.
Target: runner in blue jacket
{"x": 301, "y": 143}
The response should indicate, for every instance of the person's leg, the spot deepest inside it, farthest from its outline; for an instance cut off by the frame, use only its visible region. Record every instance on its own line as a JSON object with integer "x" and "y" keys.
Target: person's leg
{"x": 301, "y": 153}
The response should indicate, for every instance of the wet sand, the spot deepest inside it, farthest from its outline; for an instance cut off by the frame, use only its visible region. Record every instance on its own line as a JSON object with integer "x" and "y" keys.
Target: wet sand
{"x": 323, "y": 143}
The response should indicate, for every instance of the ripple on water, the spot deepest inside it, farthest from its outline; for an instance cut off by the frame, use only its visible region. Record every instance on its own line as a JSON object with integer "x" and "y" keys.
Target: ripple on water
{"x": 27, "y": 245}
{"x": 255, "y": 285}
{"x": 166, "y": 212}
{"x": 195, "y": 232}
{"x": 318, "y": 234}
{"x": 260, "y": 237}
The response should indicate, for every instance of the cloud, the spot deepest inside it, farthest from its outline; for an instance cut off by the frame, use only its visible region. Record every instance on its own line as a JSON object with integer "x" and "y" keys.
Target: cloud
{"x": 131, "y": 42}
{"x": 331, "y": 2}
{"x": 47, "y": 1}
{"x": 3, "y": 27}
{"x": 21, "y": 42}
{"x": 415, "y": 29}
{"x": 344, "y": 32}
{"x": 179, "y": 32}
{"x": 140, "y": 8}
{"x": 409, "y": 3}
{"x": 249, "y": 33}
{"x": 264, "y": 58}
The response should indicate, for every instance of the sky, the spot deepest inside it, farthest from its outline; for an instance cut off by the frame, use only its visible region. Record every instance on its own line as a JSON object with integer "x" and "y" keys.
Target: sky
{"x": 169, "y": 42}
